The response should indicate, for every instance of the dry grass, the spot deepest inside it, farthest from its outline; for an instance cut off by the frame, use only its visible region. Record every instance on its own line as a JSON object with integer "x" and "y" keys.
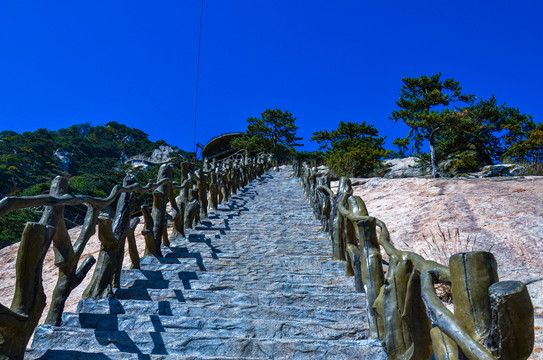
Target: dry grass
{"x": 440, "y": 246}
{"x": 444, "y": 244}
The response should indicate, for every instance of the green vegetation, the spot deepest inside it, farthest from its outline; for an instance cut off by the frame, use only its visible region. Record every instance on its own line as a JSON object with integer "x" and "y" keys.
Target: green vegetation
{"x": 275, "y": 133}
{"x": 94, "y": 154}
{"x": 28, "y": 164}
{"x": 464, "y": 135}
{"x": 353, "y": 149}
{"x": 428, "y": 106}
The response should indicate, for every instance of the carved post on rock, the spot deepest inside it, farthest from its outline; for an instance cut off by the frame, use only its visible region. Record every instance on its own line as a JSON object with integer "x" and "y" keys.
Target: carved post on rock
{"x": 67, "y": 255}
{"x": 213, "y": 192}
{"x": 512, "y": 329}
{"x": 152, "y": 246}
{"x": 160, "y": 198}
{"x": 372, "y": 269}
{"x": 193, "y": 208}
{"x": 336, "y": 219}
{"x": 19, "y": 321}
{"x": 183, "y": 197}
{"x": 225, "y": 182}
{"x": 356, "y": 206}
{"x": 472, "y": 274}
{"x": 132, "y": 246}
{"x": 112, "y": 234}
{"x": 232, "y": 181}
{"x": 404, "y": 327}
{"x": 201, "y": 182}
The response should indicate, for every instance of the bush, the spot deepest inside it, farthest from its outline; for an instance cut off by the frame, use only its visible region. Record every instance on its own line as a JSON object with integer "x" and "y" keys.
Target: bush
{"x": 13, "y": 224}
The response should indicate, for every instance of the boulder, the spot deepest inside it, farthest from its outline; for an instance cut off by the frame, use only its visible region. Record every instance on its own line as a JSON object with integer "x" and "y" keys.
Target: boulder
{"x": 64, "y": 157}
{"x": 161, "y": 154}
{"x": 403, "y": 168}
{"x": 501, "y": 170}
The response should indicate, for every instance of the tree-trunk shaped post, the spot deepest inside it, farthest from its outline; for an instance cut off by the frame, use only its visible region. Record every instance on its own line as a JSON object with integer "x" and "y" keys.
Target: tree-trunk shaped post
{"x": 406, "y": 328}
{"x": 353, "y": 252}
{"x": 19, "y": 321}
{"x": 66, "y": 255}
{"x": 201, "y": 182}
{"x": 183, "y": 197}
{"x": 160, "y": 199}
{"x": 152, "y": 247}
{"x": 178, "y": 230}
{"x": 336, "y": 219}
{"x": 178, "y": 210}
{"x": 213, "y": 192}
{"x": 112, "y": 235}
{"x": 233, "y": 178}
{"x": 193, "y": 209}
{"x": 372, "y": 269}
{"x": 132, "y": 246}
{"x": 225, "y": 179}
{"x": 355, "y": 206}
{"x": 472, "y": 274}
{"x": 512, "y": 330}
{"x": 220, "y": 187}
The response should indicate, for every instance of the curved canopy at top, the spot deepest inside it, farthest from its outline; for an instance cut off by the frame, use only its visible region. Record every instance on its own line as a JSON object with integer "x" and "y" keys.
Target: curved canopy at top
{"x": 219, "y": 147}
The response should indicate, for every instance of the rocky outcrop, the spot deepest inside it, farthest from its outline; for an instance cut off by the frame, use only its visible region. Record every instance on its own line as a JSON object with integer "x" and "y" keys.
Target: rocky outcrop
{"x": 161, "y": 154}
{"x": 403, "y": 168}
{"x": 500, "y": 170}
{"x": 64, "y": 157}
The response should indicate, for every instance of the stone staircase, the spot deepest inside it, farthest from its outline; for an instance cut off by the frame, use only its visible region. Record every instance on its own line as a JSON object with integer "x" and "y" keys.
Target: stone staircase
{"x": 254, "y": 281}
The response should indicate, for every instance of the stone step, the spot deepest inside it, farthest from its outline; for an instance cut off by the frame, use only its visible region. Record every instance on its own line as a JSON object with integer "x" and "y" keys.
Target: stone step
{"x": 176, "y": 289}
{"x": 296, "y": 264}
{"x": 266, "y": 298}
{"x": 49, "y": 354}
{"x": 181, "y": 307}
{"x": 246, "y": 248}
{"x": 128, "y": 277}
{"x": 246, "y": 253}
{"x": 218, "y": 327}
{"x": 255, "y": 280}
{"x": 297, "y": 284}
{"x": 164, "y": 343}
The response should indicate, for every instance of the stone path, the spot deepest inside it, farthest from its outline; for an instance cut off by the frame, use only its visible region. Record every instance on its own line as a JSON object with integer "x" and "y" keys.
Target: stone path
{"x": 254, "y": 281}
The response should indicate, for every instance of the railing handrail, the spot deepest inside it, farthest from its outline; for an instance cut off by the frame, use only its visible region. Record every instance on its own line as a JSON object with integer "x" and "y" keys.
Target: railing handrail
{"x": 351, "y": 234}
{"x": 18, "y": 322}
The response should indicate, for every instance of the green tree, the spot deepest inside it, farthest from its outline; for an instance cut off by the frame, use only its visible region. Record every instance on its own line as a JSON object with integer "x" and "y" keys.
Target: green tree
{"x": 529, "y": 149}
{"x": 353, "y": 149}
{"x": 428, "y": 105}
{"x": 274, "y": 132}
{"x": 494, "y": 129}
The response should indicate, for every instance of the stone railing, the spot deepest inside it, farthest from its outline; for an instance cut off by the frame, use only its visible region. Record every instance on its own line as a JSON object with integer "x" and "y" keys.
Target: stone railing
{"x": 491, "y": 319}
{"x": 115, "y": 227}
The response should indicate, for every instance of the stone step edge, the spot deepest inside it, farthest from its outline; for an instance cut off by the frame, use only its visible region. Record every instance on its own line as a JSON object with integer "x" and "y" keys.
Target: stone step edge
{"x": 211, "y": 304}
{"x": 38, "y": 354}
{"x": 52, "y": 328}
{"x": 338, "y": 325}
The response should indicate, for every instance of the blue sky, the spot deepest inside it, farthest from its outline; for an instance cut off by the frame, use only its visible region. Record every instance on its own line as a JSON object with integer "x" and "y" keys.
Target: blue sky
{"x": 134, "y": 62}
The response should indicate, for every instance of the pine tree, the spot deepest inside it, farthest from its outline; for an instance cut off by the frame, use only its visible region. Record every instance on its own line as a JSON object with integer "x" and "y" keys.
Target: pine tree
{"x": 429, "y": 105}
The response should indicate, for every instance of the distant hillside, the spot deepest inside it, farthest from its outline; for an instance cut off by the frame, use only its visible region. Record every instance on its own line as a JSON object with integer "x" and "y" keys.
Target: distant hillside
{"x": 93, "y": 157}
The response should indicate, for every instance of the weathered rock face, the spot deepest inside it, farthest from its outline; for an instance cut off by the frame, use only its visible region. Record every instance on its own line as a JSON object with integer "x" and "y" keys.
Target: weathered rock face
{"x": 501, "y": 170}
{"x": 403, "y": 168}
{"x": 161, "y": 154}
{"x": 64, "y": 157}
